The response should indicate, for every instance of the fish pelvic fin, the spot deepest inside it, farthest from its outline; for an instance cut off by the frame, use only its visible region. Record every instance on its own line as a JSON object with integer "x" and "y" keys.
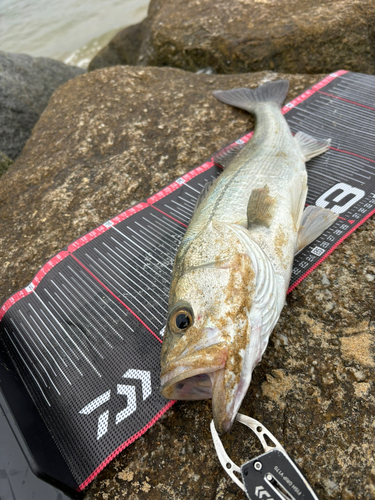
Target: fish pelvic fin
{"x": 315, "y": 220}
{"x": 248, "y": 99}
{"x": 310, "y": 146}
{"x": 261, "y": 207}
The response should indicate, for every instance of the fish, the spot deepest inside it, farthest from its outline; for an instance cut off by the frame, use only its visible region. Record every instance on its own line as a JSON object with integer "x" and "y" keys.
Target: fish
{"x": 233, "y": 266}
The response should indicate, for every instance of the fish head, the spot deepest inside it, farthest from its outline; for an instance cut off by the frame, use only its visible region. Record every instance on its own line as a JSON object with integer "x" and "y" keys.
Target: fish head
{"x": 207, "y": 336}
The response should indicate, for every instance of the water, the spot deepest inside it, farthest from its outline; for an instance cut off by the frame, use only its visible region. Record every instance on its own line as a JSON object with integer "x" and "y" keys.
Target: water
{"x": 72, "y": 31}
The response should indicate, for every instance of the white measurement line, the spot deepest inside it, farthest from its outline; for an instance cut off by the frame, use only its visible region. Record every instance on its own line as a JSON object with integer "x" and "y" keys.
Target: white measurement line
{"x": 62, "y": 315}
{"x": 185, "y": 201}
{"x": 176, "y": 238}
{"x": 95, "y": 286}
{"x": 167, "y": 222}
{"x": 158, "y": 241}
{"x": 45, "y": 336}
{"x": 161, "y": 228}
{"x": 142, "y": 262}
{"x": 66, "y": 354}
{"x": 25, "y": 364}
{"x": 106, "y": 304}
{"x": 193, "y": 189}
{"x": 58, "y": 366}
{"x": 153, "y": 283}
{"x": 75, "y": 366}
{"x": 78, "y": 348}
{"x": 143, "y": 251}
{"x": 121, "y": 288}
{"x": 169, "y": 256}
{"x": 163, "y": 242}
{"x": 59, "y": 334}
{"x": 185, "y": 205}
{"x": 23, "y": 347}
{"x": 181, "y": 215}
{"x": 94, "y": 313}
{"x": 37, "y": 358}
{"x": 191, "y": 196}
{"x": 140, "y": 290}
{"x": 36, "y": 345}
{"x": 315, "y": 120}
{"x": 85, "y": 318}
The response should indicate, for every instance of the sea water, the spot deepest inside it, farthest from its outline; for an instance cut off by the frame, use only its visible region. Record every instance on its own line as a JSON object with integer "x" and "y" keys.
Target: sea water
{"x": 72, "y": 31}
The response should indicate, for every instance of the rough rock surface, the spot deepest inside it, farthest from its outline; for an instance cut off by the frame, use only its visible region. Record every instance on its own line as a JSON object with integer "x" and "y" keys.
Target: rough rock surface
{"x": 5, "y": 163}
{"x": 112, "y": 137}
{"x": 122, "y": 49}
{"x": 26, "y": 84}
{"x": 295, "y": 36}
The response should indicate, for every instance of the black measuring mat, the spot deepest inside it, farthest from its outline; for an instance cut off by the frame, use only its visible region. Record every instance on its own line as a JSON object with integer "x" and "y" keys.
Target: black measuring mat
{"x": 80, "y": 346}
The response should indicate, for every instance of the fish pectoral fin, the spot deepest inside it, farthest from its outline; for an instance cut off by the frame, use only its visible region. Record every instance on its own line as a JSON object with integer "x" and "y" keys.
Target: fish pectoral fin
{"x": 227, "y": 154}
{"x": 202, "y": 195}
{"x": 315, "y": 220}
{"x": 261, "y": 207}
{"x": 310, "y": 146}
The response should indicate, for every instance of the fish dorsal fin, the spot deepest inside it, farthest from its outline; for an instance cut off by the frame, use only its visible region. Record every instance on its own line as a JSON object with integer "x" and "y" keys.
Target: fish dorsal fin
{"x": 298, "y": 193}
{"x": 227, "y": 154}
{"x": 202, "y": 195}
{"x": 315, "y": 220}
{"x": 261, "y": 207}
{"x": 310, "y": 146}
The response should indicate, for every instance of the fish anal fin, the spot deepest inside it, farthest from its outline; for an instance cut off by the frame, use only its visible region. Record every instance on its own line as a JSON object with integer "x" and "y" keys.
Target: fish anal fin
{"x": 227, "y": 154}
{"x": 315, "y": 220}
{"x": 202, "y": 195}
{"x": 310, "y": 146}
{"x": 261, "y": 207}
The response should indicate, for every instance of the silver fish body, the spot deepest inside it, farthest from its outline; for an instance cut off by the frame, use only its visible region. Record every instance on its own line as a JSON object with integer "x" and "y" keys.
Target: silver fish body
{"x": 233, "y": 266}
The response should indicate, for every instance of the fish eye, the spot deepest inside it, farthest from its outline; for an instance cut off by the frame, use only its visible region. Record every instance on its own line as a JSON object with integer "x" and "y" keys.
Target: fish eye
{"x": 180, "y": 320}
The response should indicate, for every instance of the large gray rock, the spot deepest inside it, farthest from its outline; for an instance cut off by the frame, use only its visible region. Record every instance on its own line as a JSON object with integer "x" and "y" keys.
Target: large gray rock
{"x": 107, "y": 140}
{"x": 297, "y": 36}
{"x": 26, "y": 84}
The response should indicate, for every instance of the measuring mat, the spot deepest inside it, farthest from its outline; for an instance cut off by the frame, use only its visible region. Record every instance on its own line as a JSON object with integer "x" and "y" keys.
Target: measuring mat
{"x": 80, "y": 346}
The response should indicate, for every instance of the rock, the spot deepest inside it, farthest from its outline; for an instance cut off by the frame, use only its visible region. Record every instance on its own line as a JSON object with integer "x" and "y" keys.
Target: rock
{"x": 5, "y": 163}
{"x": 296, "y": 36}
{"x": 107, "y": 140}
{"x": 26, "y": 84}
{"x": 122, "y": 49}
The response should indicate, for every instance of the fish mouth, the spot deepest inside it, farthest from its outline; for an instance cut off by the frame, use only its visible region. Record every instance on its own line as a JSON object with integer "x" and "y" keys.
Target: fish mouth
{"x": 187, "y": 383}
{"x": 191, "y": 376}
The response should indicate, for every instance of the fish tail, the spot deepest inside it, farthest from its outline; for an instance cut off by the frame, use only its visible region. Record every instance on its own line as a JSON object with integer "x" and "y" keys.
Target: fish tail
{"x": 249, "y": 99}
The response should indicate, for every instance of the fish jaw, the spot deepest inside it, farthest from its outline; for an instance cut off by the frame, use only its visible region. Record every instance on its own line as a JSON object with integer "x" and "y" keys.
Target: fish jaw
{"x": 190, "y": 377}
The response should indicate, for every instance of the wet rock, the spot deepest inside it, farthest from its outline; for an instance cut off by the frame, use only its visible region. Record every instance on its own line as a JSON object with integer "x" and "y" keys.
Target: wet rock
{"x": 5, "y": 163}
{"x": 26, "y": 84}
{"x": 107, "y": 140}
{"x": 296, "y": 36}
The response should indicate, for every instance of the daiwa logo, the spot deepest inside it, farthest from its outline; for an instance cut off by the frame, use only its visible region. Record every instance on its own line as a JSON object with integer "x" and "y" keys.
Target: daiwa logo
{"x": 260, "y": 492}
{"x": 122, "y": 390}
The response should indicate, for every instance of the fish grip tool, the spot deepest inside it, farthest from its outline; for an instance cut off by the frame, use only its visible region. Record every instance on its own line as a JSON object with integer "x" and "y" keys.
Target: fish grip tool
{"x": 270, "y": 476}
